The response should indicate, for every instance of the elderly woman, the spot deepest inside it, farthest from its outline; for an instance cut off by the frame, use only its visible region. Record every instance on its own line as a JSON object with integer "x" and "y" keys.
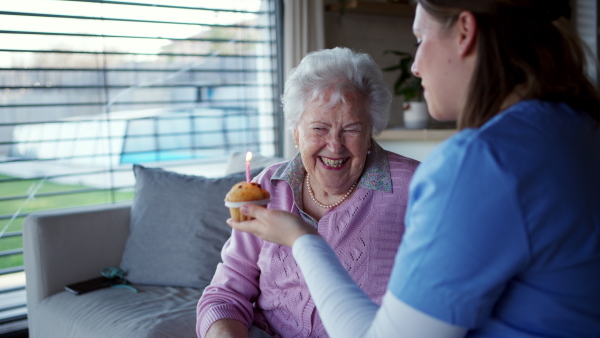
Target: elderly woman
{"x": 342, "y": 183}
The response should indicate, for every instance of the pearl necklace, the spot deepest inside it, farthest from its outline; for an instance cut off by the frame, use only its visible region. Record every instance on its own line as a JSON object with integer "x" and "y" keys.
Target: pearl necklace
{"x": 312, "y": 195}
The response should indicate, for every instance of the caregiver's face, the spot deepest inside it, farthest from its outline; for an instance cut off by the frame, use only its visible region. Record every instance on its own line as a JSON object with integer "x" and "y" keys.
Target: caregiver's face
{"x": 443, "y": 64}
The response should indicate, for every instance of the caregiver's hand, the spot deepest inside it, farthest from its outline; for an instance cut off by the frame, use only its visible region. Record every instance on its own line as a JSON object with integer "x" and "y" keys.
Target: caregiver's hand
{"x": 275, "y": 226}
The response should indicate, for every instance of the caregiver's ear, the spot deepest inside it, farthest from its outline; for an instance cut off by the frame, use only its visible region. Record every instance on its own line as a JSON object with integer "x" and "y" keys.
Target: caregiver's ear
{"x": 467, "y": 33}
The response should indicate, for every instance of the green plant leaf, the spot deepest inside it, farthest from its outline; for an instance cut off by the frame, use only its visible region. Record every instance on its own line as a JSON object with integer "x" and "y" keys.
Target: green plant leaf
{"x": 406, "y": 85}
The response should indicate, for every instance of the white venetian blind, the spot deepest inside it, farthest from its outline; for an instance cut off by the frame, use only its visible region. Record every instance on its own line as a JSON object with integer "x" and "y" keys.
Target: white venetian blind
{"x": 89, "y": 87}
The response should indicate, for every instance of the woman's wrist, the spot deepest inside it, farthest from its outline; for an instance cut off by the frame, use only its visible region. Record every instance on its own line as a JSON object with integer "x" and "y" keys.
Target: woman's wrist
{"x": 225, "y": 328}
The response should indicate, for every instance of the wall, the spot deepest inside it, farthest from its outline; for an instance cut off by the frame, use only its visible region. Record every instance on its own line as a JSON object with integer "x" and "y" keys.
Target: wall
{"x": 373, "y": 34}
{"x": 417, "y": 150}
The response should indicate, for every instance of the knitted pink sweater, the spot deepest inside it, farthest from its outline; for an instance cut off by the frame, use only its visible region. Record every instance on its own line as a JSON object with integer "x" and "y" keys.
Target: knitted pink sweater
{"x": 259, "y": 282}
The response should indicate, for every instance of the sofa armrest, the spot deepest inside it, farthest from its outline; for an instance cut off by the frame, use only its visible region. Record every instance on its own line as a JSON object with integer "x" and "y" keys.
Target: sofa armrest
{"x": 70, "y": 245}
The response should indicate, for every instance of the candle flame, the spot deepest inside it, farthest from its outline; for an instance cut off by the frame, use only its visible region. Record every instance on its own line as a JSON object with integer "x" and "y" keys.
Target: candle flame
{"x": 248, "y": 156}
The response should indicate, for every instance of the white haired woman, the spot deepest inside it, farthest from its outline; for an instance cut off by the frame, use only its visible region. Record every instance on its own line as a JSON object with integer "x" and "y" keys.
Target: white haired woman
{"x": 351, "y": 191}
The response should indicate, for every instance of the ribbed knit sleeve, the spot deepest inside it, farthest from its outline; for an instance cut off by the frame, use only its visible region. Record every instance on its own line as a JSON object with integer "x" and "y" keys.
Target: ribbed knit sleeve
{"x": 234, "y": 286}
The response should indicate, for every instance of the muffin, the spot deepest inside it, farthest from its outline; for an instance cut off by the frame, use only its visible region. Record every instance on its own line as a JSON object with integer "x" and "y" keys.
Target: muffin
{"x": 243, "y": 193}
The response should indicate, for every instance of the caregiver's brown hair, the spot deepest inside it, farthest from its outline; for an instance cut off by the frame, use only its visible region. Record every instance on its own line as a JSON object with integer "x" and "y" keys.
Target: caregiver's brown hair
{"x": 525, "y": 43}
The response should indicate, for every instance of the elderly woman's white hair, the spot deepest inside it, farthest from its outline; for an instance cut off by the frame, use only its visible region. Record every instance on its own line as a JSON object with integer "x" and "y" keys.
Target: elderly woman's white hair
{"x": 342, "y": 70}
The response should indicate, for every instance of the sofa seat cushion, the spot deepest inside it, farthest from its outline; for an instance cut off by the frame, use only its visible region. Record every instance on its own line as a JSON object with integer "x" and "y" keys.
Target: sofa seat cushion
{"x": 156, "y": 311}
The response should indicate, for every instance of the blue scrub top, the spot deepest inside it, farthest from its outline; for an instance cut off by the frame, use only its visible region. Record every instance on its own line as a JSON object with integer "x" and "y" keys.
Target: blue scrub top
{"x": 503, "y": 227}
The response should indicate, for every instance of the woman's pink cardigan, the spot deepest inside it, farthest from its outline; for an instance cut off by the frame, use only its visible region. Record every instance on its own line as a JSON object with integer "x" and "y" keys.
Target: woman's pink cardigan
{"x": 259, "y": 282}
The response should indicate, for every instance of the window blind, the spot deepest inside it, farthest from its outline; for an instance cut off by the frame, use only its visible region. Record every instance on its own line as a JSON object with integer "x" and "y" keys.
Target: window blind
{"x": 89, "y": 87}
{"x": 585, "y": 18}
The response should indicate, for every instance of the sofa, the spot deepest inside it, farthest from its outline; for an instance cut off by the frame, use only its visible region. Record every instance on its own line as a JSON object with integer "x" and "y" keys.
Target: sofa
{"x": 167, "y": 241}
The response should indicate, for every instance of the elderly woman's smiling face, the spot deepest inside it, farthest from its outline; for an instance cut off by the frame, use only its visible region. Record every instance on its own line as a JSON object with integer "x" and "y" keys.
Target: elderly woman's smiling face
{"x": 333, "y": 142}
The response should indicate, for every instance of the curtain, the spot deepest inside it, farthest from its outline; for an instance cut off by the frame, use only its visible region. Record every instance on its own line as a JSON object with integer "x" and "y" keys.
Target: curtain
{"x": 303, "y": 32}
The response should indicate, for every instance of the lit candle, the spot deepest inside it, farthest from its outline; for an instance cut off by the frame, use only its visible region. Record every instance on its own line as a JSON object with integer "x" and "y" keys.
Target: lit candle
{"x": 248, "y": 158}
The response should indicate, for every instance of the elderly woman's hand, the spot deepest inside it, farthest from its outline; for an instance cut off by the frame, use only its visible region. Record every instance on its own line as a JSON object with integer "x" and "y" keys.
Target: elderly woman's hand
{"x": 275, "y": 226}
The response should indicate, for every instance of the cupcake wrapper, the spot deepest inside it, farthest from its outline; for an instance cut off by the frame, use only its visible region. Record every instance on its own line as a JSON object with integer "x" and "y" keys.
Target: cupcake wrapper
{"x": 239, "y": 204}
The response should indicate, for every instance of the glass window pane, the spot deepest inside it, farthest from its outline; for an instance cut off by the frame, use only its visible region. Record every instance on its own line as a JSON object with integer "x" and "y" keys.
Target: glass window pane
{"x": 90, "y": 88}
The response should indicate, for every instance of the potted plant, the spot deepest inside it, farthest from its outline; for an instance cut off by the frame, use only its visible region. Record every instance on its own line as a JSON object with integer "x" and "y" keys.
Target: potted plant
{"x": 409, "y": 88}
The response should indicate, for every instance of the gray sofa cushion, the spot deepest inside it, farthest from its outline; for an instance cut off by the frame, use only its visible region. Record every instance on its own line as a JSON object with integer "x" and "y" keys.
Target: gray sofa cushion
{"x": 177, "y": 227}
{"x": 155, "y": 312}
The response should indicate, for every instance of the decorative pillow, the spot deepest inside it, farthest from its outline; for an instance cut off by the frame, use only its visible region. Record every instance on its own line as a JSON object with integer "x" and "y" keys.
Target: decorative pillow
{"x": 177, "y": 227}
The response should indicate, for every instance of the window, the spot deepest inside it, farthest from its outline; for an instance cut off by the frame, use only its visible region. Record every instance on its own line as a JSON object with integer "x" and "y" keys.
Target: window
{"x": 91, "y": 86}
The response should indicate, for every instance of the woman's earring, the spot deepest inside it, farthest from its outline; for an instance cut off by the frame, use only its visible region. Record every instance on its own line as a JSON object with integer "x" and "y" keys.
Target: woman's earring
{"x": 368, "y": 152}
{"x": 296, "y": 146}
